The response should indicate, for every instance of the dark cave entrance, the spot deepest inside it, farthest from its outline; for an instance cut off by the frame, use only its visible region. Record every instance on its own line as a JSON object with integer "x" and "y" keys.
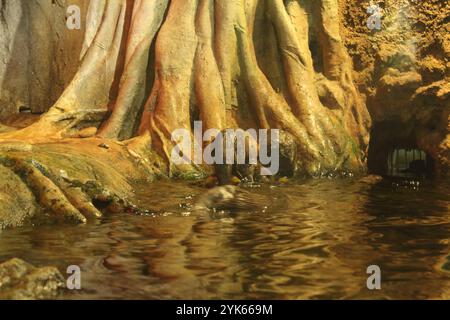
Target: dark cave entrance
{"x": 393, "y": 152}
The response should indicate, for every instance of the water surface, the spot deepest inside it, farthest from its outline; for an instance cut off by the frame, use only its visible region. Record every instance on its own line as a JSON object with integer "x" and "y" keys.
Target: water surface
{"x": 315, "y": 240}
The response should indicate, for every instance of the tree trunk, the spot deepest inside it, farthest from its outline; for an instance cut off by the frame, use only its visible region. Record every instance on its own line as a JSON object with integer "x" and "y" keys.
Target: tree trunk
{"x": 157, "y": 66}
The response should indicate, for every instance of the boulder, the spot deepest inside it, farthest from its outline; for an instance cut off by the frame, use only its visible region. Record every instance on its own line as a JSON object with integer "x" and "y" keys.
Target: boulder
{"x": 20, "y": 280}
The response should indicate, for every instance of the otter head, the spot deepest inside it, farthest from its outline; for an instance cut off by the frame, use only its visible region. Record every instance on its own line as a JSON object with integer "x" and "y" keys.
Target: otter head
{"x": 217, "y": 198}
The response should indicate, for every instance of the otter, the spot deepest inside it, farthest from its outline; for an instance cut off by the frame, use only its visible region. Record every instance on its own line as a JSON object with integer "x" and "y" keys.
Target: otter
{"x": 230, "y": 198}
{"x": 227, "y": 196}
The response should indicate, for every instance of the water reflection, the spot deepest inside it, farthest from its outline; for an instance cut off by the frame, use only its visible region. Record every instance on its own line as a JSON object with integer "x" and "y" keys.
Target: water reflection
{"x": 315, "y": 241}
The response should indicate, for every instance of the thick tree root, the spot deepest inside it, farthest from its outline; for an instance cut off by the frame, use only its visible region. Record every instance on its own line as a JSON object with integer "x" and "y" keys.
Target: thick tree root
{"x": 209, "y": 60}
{"x": 66, "y": 199}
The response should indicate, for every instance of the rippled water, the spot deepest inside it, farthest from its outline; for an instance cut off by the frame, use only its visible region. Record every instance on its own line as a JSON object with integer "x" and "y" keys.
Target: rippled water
{"x": 314, "y": 241}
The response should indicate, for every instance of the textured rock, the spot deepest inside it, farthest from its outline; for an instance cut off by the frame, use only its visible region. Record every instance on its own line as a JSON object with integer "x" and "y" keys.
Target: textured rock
{"x": 34, "y": 41}
{"x": 404, "y": 73}
{"x": 64, "y": 181}
{"x": 17, "y": 202}
{"x": 287, "y": 67}
{"x": 20, "y": 280}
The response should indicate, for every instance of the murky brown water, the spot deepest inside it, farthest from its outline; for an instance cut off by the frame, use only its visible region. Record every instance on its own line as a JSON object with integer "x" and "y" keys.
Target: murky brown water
{"x": 315, "y": 241}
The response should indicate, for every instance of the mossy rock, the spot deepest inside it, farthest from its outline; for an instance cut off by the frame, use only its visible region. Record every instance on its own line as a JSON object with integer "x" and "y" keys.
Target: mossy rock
{"x": 20, "y": 280}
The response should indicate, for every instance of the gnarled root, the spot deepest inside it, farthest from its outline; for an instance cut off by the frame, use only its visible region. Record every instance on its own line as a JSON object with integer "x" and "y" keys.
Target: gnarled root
{"x": 65, "y": 199}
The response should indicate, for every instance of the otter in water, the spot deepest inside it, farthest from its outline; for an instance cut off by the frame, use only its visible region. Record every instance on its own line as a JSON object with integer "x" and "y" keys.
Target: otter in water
{"x": 231, "y": 198}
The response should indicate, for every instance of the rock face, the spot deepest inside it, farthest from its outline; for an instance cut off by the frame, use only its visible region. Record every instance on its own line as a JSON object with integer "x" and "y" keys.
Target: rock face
{"x": 404, "y": 72}
{"x": 137, "y": 75}
{"x": 39, "y": 55}
{"x": 72, "y": 181}
{"x": 17, "y": 202}
{"x": 288, "y": 66}
{"x": 20, "y": 280}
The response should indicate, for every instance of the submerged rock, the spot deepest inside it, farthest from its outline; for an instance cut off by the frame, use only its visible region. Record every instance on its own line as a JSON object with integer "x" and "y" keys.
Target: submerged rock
{"x": 20, "y": 280}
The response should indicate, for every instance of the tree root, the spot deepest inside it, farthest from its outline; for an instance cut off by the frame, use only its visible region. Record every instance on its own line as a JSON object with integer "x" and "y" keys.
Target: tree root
{"x": 66, "y": 199}
{"x": 205, "y": 60}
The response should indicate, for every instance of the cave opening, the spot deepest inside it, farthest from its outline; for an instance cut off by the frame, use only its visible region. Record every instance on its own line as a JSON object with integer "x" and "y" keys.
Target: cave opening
{"x": 393, "y": 152}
